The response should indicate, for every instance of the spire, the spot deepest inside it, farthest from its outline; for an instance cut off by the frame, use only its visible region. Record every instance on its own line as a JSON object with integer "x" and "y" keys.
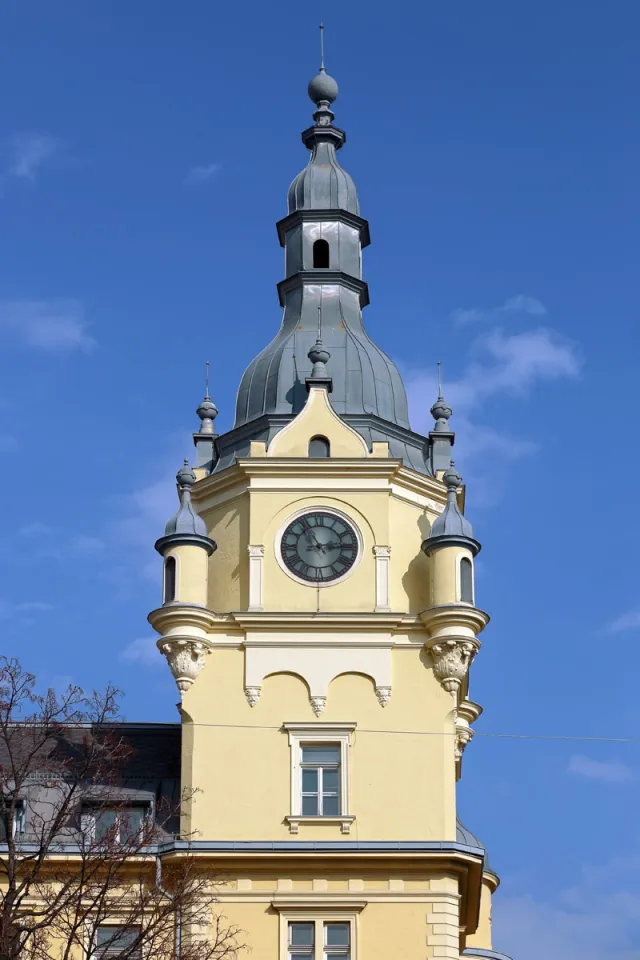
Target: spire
{"x": 205, "y": 439}
{"x": 441, "y": 437}
{"x": 323, "y": 90}
{"x": 186, "y": 525}
{"x": 319, "y": 355}
{"x": 451, "y": 527}
{"x": 207, "y": 411}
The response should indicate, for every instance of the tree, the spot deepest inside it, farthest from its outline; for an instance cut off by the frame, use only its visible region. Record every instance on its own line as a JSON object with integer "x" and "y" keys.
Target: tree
{"x": 83, "y": 871}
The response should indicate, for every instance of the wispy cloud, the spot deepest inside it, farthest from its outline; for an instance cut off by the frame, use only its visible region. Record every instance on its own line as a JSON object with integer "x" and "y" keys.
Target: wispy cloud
{"x": 627, "y": 621}
{"x": 200, "y": 174}
{"x": 9, "y": 610}
{"x": 501, "y": 363}
{"x": 595, "y": 918}
{"x": 607, "y": 771}
{"x": 55, "y": 326}
{"x": 521, "y": 303}
{"x": 33, "y": 530}
{"x": 144, "y": 651}
{"x": 29, "y": 151}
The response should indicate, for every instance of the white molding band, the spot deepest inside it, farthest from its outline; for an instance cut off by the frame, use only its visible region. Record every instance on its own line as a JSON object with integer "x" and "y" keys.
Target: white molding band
{"x": 256, "y": 561}
{"x": 318, "y": 665}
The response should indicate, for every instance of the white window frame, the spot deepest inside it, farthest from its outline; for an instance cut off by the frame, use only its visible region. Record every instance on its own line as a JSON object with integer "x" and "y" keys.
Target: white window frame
{"x": 89, "y": 819}
{"x": 112, "y": 922}
{"x": 318, "y": 915}
{"x": 338, "y": 734}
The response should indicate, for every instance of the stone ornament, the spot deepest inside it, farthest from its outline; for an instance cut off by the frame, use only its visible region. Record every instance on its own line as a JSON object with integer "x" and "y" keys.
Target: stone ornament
{"x": 318, "y": 704}
{"x": 384, "y": 695}
{"x": 186, "y": 660}
{"x": 452, "y": 658}
{"x": 252, "y": 694}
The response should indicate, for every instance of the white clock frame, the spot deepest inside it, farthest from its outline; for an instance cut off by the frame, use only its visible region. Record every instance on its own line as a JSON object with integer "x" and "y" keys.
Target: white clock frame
{"x": 318, "y": 508}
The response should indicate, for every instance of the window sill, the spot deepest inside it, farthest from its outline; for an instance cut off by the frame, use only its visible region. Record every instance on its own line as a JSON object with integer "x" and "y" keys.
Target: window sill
{"x": 344, "y": 821}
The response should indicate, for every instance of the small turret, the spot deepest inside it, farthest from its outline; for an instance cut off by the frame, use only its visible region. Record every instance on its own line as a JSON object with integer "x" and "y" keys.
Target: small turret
{"x": 452, "y": 619}
{"x": 186, "y": 547}
{"x": 451, "y": 547}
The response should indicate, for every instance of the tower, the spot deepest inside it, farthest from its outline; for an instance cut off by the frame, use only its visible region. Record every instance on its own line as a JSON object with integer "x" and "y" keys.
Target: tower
{"x": 323, "y": 651}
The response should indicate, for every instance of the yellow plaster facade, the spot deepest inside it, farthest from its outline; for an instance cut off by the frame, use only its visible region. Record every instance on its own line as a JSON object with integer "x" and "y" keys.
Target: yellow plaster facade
{"x": 375, "y": 664}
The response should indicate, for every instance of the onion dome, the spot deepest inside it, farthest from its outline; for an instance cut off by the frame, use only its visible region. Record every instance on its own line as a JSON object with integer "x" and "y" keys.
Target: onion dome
{"x": 186, "y": 525}
{"x": 451, "y": 527}
{"x": 323, "y": 184}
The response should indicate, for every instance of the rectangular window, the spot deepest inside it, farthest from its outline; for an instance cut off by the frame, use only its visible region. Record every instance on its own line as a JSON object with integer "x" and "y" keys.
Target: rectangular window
{"x": 320, "y": 767}
{"x": 20, "y": 818}
{"x": 112, "y": 941}
{"x": 117, "y": 826}
{"x": 301, "y": 941}
{"x": 337, "y": 941}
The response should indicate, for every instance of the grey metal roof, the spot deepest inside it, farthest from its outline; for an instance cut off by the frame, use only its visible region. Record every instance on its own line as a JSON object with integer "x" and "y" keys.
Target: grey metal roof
{"x": 463, "y": 835}
{"x": 451, "y": 527}
{"x": 485, "y": 954}
{"x": 186, "y": 519}
{"x": 368, "y": 392}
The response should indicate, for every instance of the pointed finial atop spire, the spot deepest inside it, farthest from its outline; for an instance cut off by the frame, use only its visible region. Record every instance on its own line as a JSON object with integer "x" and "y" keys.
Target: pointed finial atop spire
{"x": 441, "y": 411}
{"x": 207, "y": 411}
{"x": 323, "y": 89}
{"x": 319, "y": 355}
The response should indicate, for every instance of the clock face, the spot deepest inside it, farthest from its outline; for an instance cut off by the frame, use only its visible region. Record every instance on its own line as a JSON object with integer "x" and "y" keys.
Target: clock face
{"x": 319, "y": 547}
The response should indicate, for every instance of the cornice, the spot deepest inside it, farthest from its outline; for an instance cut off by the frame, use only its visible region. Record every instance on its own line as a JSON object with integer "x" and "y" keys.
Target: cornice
{"x": 452, "y": 614}
{"x": 172, "y": 615}
{"x": 312, "y": 622}
{"x": 319, "y": 276}
{"x": 320, "y": 216}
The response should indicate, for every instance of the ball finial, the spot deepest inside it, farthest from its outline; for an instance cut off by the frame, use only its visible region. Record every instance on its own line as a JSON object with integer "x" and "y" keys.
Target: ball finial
{"x": 185, "y": 475}
{"x": 323, "y": 88}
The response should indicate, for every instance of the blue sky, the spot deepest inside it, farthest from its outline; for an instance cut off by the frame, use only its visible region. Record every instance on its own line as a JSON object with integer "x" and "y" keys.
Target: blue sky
{"x": 145, "y": 153}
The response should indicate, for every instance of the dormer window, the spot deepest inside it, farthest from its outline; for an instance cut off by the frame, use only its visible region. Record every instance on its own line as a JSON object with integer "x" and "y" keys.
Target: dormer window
{"x": 321, "y": 254}
{"x": 117, "y": 825}
{"x": 20, "y": 818}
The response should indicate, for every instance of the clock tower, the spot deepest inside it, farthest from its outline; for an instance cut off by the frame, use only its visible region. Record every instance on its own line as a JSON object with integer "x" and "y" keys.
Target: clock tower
{"x": 320, "y": 618}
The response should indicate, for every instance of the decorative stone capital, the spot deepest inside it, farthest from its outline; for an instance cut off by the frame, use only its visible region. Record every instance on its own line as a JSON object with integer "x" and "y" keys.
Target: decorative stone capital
{"x": 466, "y": 713}
{"x": 384, "y": 695}
{"x": 186, "y": 660}
{"x": 464, "y": 735}
{"x": 252, "y": 694}
{"x": 382, "y": 551}
{"x": 318, "y": 704}
{"x": 255, "y": 550}
{"x": 452, "y": 658}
